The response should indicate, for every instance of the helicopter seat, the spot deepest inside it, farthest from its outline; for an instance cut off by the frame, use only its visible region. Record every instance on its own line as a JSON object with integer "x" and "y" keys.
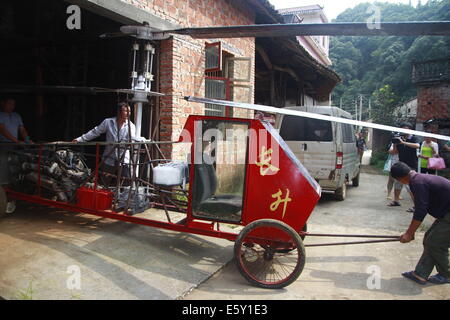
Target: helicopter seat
{"x": 206, "y": 203}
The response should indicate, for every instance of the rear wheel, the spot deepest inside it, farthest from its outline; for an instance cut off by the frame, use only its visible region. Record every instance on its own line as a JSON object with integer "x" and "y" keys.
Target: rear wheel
{"x": 269, "y": 254}
{"x": 341, "y": 193}
{"x": 355, "y": 180}
{"x": 3, "y": 202}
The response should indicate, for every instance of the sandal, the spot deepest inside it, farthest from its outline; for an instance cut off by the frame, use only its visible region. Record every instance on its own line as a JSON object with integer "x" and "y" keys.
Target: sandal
{"x": 394, "y": 204}
{"x": 410, "y": 275}
{"x": 410, "y": 209}
{"x": 438, "y": 279}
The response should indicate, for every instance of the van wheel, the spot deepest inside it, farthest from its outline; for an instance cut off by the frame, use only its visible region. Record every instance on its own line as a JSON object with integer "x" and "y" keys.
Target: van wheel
{"x": 355, "y": 180}
{"x": 341, "y": 193}
{"x": 3, "y": 202}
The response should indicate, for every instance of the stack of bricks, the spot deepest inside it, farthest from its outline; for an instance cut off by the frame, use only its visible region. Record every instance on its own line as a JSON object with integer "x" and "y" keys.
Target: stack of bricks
{"x": 182, "y": 58}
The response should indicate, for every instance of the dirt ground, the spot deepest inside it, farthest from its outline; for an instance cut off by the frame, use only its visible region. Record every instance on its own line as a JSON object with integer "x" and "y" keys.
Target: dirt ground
{"x": 52, "y": 254}
{"x": 345, "y": 272}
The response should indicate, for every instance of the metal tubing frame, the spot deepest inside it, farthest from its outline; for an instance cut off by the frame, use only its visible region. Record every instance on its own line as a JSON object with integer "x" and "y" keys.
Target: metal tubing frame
{"x": 381, "y": 238}
{"x": 198, "y": 229}
{"x": 190, "y": 224}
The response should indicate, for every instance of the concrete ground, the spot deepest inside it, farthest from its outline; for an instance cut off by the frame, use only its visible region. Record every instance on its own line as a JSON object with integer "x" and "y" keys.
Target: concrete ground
{"x": 367, "y": 271}
{"x": 42, "y": 252}
{"x": 52, "y": 254}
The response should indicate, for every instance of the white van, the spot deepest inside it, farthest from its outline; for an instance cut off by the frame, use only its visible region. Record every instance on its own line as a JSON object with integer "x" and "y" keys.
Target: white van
{"x": 327, "y": 149}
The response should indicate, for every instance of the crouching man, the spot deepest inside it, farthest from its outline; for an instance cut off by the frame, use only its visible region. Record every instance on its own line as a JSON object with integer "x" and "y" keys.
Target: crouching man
{"x": 431, "y": 196}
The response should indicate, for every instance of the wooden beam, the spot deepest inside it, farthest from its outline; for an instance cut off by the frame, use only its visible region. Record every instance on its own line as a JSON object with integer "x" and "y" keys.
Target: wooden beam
{"x": 264, "y": 56}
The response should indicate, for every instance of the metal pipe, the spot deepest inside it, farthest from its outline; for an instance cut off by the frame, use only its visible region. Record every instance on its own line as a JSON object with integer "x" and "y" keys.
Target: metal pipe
{"x": 138, "y": 118}
{"x": 347, "y": 235}
{"x": 347, "y": 243}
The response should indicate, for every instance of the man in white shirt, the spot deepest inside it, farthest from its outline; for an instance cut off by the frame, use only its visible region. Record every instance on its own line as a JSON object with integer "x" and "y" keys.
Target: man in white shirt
{"x": 117, "y": 129}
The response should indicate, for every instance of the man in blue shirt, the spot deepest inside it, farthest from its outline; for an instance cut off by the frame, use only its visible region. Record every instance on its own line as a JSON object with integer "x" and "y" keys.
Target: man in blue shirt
{"x": 11, "y": 123}
{"x": 431, "y": 196}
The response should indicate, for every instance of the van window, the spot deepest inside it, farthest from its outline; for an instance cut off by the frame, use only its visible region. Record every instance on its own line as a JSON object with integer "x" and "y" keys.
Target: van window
{"x": 348, "y": 133}
{"x": 295, "y": 128}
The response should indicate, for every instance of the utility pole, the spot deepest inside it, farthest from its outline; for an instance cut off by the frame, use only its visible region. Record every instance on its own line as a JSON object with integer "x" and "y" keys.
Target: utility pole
{"x": 360, "y": 107}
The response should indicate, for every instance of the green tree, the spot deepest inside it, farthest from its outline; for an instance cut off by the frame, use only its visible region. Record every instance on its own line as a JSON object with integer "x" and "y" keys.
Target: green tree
{"x": 368, "y": 64}
{"x": 383, "y": 105}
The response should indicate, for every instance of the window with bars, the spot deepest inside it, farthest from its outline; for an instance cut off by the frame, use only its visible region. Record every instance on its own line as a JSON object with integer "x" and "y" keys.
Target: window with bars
{"x": 226, "y": 78}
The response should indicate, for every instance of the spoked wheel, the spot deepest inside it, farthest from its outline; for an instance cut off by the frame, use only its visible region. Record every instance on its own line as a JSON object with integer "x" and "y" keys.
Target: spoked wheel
{"x": 269, "y": 254}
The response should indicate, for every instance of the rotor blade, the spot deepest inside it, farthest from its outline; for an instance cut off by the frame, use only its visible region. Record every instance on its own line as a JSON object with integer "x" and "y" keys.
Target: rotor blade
{"x": 304, "y": 114}
{"x": 432, "y": 28}
{"x": 113, "y": 35}
{"x": 70, "y": 90}
{"x": 47, "y": 89}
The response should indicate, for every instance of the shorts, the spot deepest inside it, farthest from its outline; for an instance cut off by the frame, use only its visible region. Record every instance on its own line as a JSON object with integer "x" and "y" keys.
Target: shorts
{"x": 398, "y": 186}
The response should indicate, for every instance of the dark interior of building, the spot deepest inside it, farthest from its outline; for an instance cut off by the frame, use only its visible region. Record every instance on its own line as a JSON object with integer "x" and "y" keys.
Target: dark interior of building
{"x": 40, "y": 53}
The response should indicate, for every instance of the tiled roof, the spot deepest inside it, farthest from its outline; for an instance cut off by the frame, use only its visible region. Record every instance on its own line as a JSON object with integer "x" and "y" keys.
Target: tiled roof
{"x": 276, "y": 16}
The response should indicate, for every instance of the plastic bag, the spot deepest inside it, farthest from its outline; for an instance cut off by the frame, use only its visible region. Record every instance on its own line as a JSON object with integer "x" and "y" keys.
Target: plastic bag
{"x": 388, "y": 164}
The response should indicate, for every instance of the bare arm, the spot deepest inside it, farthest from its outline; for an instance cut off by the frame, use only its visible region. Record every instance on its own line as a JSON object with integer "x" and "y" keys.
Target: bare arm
{"x": 410, "y": 144}
{"x": 393, "y": 149}
{"x": 23, "y": 133}
{"x": 409, "y": 234}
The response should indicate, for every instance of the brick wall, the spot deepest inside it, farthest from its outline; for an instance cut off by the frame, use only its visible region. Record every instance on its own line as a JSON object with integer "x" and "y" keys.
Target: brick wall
{"x": 433, "y": 102}
{"x": 183, "y": 58}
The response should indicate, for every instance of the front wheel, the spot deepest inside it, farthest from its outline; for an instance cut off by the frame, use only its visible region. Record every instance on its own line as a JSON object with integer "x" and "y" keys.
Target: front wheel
{"x": 269, "y": 254}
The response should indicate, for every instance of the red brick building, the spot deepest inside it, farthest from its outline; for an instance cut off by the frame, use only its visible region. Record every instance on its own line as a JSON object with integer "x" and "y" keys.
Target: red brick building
{"x": 432, "y": 79}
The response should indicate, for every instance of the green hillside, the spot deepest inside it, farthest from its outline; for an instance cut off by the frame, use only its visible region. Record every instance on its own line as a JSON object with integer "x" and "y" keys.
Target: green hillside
{"x": 380, "y": 67}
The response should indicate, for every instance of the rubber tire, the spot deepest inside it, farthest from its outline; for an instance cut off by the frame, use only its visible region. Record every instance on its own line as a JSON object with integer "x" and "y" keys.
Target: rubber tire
{"x": 341, "y": 193}
{"x": 355, "y": 180}
{"x": 3, "y": 202}
{"x": 281, "y": 225}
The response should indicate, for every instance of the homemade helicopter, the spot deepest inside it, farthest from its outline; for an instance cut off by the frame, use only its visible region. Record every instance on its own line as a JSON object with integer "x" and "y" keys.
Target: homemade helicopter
{"x": 269, "y": 193}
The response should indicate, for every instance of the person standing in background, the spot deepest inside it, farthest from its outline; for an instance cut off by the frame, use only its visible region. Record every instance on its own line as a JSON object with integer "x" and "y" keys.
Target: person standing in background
{"x": 11, "y": 124}
{"x": 406, "y": 147}
{"x": 361, "y": 145}
{"x": 428, "y": 149}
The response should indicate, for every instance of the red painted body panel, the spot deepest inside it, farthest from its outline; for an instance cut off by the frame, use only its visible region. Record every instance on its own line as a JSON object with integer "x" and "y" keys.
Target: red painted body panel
{"x": 288, "y": 182}
{"x": 263, "y": 187}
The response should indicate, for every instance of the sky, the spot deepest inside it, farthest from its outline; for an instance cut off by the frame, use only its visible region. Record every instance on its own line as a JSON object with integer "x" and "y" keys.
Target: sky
{"x": 332, "y": 8}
